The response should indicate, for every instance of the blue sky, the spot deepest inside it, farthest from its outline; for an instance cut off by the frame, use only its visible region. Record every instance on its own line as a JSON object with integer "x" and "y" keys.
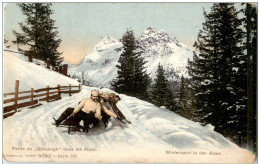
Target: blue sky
{"x": 82, "y": 25}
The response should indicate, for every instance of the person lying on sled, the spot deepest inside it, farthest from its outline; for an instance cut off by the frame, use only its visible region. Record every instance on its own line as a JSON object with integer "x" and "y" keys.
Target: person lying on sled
{"x": 88, "y": 110}
{"x": 106, "y": 107}
{"x": 113, "y": 100}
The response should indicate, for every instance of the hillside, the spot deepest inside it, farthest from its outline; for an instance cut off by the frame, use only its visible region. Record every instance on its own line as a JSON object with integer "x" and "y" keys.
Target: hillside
{"x": 30, "y": 75}
{"x": 153, "y": 132}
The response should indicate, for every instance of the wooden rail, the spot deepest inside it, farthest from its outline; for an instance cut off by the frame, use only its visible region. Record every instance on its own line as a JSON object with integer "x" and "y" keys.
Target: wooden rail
{"x": 44, "y": 94}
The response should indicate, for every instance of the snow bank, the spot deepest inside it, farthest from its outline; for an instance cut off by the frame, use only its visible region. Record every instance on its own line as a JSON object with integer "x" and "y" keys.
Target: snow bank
{"x": 172, "y": 128}
{"x": 29, "y": 74}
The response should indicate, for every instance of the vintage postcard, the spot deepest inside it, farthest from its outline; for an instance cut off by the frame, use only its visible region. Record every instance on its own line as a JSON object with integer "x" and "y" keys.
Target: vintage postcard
{"x": 129, "y": 82}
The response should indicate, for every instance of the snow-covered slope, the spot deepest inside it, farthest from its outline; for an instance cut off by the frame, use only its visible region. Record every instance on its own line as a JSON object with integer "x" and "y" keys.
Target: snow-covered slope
{"x": 30, "y": 75}
{"x": 99, "y": 65}
{"x": 153, "y": 130}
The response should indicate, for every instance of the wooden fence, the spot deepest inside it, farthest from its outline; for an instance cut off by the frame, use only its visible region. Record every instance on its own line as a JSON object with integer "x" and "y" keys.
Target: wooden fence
{"x": 34, "y": 96}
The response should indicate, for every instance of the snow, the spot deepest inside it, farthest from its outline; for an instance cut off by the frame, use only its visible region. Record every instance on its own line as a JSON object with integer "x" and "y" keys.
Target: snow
{"x": 235, "y": 69}
{"x": 16, "y": 67}
{"x": 153, "y": 129}
{"x": 99, "y": 65}
{"x": 160, "y": 47}
{"x": 209, "y": 126}
{"x": 157, "y": 46}
{"x": 206, "y": 82}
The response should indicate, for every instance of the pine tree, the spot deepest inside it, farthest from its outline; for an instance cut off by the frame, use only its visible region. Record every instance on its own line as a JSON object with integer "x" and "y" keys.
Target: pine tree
{"x": 132, "y": 78}
{"x": 183, "y": 99}
{"x": 232, "y": 71}
{"x": 196, "y": 71}
{"x": 39, "y": 35}
{"x": 191, "y": 112}
{"x": 216, "y": 69}
{"x": 161, "y": 93}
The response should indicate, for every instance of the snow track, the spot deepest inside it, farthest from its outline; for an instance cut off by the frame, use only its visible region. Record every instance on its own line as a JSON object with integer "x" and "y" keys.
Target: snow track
{"x": 37, "y": 124}
{"x": 150, "y": 125}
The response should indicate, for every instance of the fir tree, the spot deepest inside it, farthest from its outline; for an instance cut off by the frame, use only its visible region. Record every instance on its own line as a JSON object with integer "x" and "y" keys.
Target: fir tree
{"x": 161, "y": 93}
{"x": 183, "y": 99}
{"x": 39, "y": 35}
{"x": 196, "y": 72}
{"x": 216, "y": 69}
{"x": 132, "y": 78}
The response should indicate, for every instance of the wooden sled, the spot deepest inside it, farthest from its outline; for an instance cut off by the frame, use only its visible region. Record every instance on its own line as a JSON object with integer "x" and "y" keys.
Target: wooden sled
{"x": 73, "y": 126}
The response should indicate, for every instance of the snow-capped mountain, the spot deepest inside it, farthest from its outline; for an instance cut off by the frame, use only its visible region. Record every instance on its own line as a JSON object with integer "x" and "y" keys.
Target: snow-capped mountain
{"x": 99, "y": 65}
{"x": 161, "y": 47}
{"x": 158, "y": 47}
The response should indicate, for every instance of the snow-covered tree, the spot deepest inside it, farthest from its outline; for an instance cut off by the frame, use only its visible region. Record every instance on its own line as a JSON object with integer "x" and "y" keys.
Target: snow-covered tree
{"x": 182, "y": 100}
{"x": 217, "y": 69}
{"x": 161, "y": 94}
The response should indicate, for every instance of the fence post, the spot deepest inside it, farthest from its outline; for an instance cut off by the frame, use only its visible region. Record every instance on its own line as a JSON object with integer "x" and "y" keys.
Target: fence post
{"x": 65, "y": 69}
{"x": 70, "y": 90}
{"x": 59, "y": 90}
{"x": 16, "y": 94}
{"x": 47, "y": 93}
{"x": 32, "y": 91}
{"x": 60, "y": 69}
{"x": 30, "y": 58}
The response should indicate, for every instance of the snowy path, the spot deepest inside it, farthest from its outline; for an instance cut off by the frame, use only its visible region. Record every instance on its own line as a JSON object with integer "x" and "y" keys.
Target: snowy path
{"x": 150, "y": 124}
{"x": 37, "y": 123}
{"x": 152, "y": 132}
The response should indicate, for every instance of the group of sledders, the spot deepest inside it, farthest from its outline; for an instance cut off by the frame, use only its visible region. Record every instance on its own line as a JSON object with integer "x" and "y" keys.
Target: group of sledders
{"x": 98, "y": 108}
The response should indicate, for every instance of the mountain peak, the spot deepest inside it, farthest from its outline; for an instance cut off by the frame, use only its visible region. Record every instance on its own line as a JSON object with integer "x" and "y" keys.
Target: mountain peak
{"x": 150, "y": 30}
{"x": 157, "y": 35}
{"x": 105, "y": 43}
{"x": 108, "y": 40}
